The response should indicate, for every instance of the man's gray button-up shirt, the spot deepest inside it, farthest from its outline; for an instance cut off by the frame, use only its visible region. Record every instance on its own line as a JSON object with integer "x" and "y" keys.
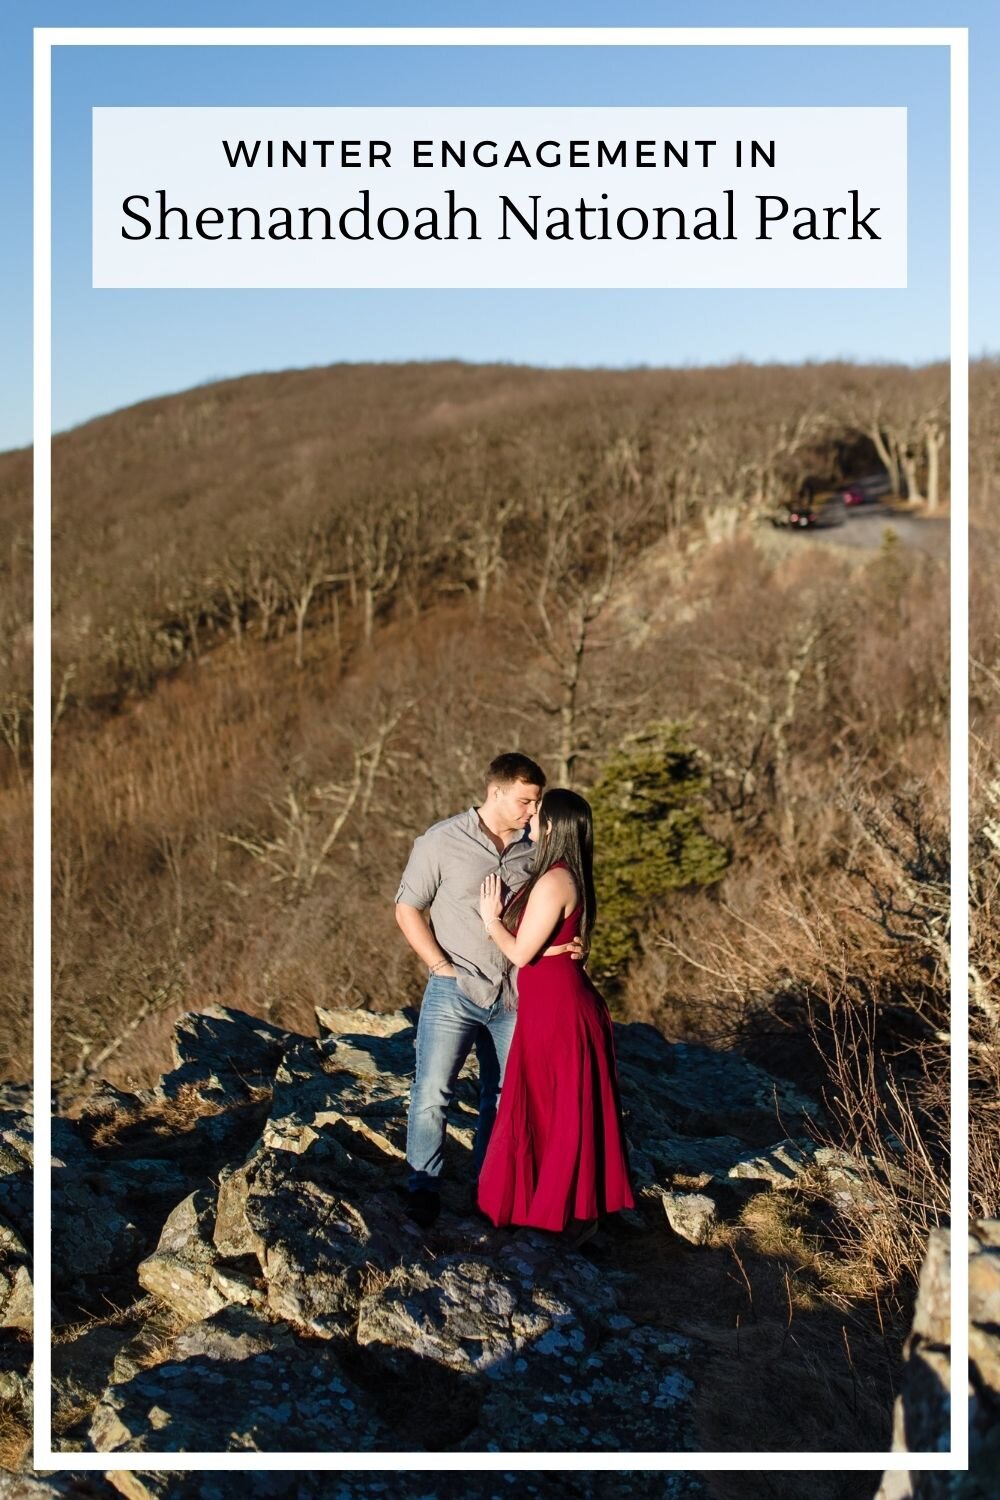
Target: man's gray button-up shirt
{"x": 446, "y": 868}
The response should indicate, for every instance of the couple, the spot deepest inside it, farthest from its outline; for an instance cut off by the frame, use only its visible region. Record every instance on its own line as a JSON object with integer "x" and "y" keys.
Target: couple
{"x": 509, "y": 885}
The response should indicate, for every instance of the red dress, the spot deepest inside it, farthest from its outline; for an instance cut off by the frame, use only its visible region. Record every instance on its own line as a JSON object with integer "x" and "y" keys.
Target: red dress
{"x": 557, "y": 1151}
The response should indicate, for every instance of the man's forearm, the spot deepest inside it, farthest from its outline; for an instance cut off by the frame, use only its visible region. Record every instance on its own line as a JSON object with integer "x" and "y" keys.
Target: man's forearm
{"x": 415, "y": 927}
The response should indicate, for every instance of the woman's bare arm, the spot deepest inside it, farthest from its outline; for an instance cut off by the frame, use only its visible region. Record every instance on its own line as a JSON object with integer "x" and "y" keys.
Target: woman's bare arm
{"x": 552, "y": 897}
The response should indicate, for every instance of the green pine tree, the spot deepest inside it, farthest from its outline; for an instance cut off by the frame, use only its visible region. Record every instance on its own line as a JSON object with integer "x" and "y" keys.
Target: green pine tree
{"x": 648, "y": 837}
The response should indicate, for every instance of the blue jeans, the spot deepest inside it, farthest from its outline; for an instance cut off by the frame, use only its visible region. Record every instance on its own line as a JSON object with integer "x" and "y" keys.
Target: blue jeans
{"x": 449, "y": 1024}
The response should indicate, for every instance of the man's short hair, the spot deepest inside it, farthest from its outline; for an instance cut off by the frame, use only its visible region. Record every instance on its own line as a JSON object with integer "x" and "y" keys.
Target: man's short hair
{"x": 504, "y": 770}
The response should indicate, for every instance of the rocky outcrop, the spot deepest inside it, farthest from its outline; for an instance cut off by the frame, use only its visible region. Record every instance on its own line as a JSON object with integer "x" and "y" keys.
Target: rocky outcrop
{"x": 247, "y": 1217}
{"x": 16, "y": 1296}
{"x": 300, "y": 1273}
{"x": 15, "y": 1206}
{"x": 162, "y": 1484}
{"x": 984, "y": 1355}
{"x": 922, "y": 1415}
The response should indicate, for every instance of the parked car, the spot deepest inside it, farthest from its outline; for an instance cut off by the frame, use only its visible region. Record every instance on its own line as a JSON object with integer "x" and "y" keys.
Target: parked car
{"x": 820, "y": 513}
{"x": 867, "y": 489}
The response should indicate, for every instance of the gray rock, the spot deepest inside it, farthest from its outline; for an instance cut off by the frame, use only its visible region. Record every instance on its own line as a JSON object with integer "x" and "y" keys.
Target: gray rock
{"x": 90, "y": 1233}
{"x": 842, "y": 1183}
{"x": 317, "y": 1245}
{"x": 16, "y": 1297}
{"x": 16, "y": 1156}
{"x": 984, "y": 1355}
{"x": 365, "y": 1043}
{"x": 81, "y": 1369}
{"x": 186, "y": 1271}
{"x": 699, "y": 1090}
{"x": 16, "y": 1127}
{"x": 352, "y": 1022}
{"x": 280, "y": 1298}
{"x": 13, "y": 1386}
{"x": 630, "y": 1393}
{"x": 152, "y": 1178}
{"x": 234, "y": 1333}
{"x": 151, "y": 1484}
{"x": 345, "y": 1074}
{"x": 461, "y": 1313}
{"x": 691, "y": 1215}
{"x": 180, "y": 1270}
{"x": 33, "y": 1486}
{"x": 779, "y": 1166}
{"x": 147, "y": 1346}
{"x": 298, "y": 1213}
{"x": 224, "y": 1055}
{"x": 537, "y": 1260}
{"x": 285, "y": 1395}
{"x": 324, "y": 1092}
{"x": 15, "y": 1372}
{"x": 691, "y": 1156}
{"x": 232, "y": 1234}
{"x": 921, "y": 1418}
{"x": 399, "y": 1484}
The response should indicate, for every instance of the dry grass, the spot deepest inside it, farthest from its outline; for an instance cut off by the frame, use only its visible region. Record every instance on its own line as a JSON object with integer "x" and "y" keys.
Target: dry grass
{"x": 161, "y": 903}
{"x": 118, "y": 1317}
{"x": 15, "y": 1436}
{"x": 791, "y": 1356}
{"x": 896, "y": 1135}
{"x": 160, "y": 1117}
{"x": 778, "y": 1225}
{"x": 373, "y": 1280}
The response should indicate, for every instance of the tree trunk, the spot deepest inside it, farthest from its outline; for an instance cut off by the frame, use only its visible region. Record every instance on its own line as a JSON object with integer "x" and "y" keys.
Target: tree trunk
{"x": 568, "y": 706}
{"x": 482, "y": 587}
{"x": 301, "y": 610}
{"x": 352, "y": 580}
{"x": 793, "y": 679}
{"x": 934, "y": 439}
{"x": 909, "y": 462}
{"x": 192, "y": 625}
{"x": 337, "y": 642}
{"x": 235, "y": 601}
{"x": 887, "y": 453}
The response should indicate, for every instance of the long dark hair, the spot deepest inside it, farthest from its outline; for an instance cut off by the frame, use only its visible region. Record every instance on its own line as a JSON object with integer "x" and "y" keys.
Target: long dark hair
{"x": 569, "y": 841}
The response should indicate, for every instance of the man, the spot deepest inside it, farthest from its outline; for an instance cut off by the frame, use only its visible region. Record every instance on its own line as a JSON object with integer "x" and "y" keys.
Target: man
{"x": 469, "y": 999}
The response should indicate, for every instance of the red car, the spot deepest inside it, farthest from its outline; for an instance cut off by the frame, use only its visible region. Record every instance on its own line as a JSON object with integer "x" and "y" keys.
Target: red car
{"x": 867, "y": 489}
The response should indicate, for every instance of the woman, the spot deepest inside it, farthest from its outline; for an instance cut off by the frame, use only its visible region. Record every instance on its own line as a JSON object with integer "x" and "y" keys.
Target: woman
{"x": 557, "y": 1152}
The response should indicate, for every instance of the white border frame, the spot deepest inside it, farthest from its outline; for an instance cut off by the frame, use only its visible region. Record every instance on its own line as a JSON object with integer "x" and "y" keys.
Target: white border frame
{"x": 956, "y": 40}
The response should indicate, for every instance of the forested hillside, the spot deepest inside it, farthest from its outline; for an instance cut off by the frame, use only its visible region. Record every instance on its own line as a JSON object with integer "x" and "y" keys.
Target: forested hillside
{"x": 296, "y": 614}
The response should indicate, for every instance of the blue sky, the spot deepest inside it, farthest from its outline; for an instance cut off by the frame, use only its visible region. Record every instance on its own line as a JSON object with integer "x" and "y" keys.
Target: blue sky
{"x": 111, "y": 348}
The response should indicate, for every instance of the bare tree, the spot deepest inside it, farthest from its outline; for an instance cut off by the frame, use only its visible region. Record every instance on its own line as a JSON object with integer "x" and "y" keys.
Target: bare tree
{"x": 303, "y": 569}
{"x": 376, "y": 546}
{"x": 584, "y": 535}
{"x": 309, "y": 820}
{"x": 906, "y": 423}
{"x": 481, "y": 537}
{"x": 263, "y": 587}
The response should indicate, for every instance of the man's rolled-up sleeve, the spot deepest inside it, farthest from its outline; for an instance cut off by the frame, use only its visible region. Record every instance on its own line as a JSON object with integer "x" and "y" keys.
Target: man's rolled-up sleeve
{"x": 421, "y": 877}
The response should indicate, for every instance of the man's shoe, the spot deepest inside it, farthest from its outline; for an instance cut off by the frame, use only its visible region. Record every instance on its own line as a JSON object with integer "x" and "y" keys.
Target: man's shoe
{"x": 424, "y": 1207}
